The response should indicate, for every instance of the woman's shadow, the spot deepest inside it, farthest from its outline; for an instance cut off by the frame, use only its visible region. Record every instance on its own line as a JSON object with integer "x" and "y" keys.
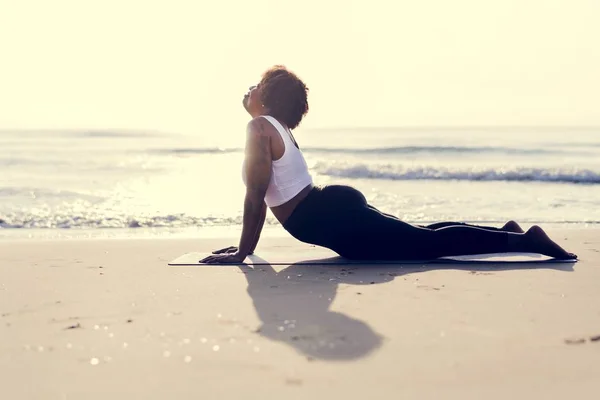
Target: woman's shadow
{"x": 293, "y": 304}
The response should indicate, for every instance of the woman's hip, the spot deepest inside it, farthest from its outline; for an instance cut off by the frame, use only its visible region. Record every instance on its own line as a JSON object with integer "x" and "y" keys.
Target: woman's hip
{"x": 322, "y": 212}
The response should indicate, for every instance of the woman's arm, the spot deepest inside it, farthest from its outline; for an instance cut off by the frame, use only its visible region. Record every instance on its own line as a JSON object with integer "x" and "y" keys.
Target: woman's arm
{"x": 234, "y": 249}
{"x": 258, "y": 164}
{"x": 258, "y": 174}
{"x": 261, "y": 222}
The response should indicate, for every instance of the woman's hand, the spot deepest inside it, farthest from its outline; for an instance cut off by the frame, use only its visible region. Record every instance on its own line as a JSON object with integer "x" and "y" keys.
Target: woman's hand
{"x": 226, "y": 258}
{"x": 226, "y": 250}
{"x": 229, "y": 250}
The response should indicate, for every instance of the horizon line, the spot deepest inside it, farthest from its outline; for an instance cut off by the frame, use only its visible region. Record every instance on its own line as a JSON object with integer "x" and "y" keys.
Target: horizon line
{"x": 315, "y": 128}
{"x": 466, "y": 126}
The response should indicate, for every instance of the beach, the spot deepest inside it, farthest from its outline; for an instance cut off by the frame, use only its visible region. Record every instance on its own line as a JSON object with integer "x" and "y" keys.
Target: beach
{"x": 89, "y": 307}
{"x": 93, "y": 318}
{"x": 126, "y": 127}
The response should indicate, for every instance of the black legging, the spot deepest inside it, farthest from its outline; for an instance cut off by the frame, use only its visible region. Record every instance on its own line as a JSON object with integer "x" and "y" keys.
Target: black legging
{"x": 339, "y": 218}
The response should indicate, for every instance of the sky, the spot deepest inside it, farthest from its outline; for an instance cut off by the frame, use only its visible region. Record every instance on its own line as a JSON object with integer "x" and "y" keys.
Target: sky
{"x": 183, "y": 66}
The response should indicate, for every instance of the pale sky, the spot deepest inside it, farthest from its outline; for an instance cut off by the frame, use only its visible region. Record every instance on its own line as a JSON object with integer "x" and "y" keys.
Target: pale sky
{"x": 183, "y": 66}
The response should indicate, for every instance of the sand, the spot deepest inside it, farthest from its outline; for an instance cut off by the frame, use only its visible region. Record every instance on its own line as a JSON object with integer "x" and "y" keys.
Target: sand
{"x": 97, "y": 319}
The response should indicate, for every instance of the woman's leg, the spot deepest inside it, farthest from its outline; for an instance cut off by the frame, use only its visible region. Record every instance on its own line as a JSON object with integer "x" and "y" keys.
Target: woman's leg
{"x": 510, "y": 226}
{"x": 339, "y": 218}
{"x": 366, "y": 233}
{"x": 369, "y": 234}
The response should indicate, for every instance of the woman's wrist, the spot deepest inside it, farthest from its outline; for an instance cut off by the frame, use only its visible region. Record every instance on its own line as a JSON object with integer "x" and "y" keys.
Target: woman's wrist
{"x": 241, "y": 255}
{"x": 244, "y": 250}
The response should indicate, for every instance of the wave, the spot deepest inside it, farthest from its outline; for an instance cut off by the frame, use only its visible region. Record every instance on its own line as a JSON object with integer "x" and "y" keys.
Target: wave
{"x": 111, "y": 134}
{"x": 577, "y": 145}
{"x": 28, "y": 220}
{"x": 179, "y": 221}
{"x": 70, "y": 133}
{"x": 17, "y": 193}
{"x": 198, "y": 150}
{"x": 431, "y": 149}
{"x": 516, "y": 174}
{"x": 375, "y": 151}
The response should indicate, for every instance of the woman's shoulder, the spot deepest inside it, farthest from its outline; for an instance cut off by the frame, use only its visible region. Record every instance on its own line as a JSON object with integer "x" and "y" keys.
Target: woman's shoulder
{"x": 260, "y": 126}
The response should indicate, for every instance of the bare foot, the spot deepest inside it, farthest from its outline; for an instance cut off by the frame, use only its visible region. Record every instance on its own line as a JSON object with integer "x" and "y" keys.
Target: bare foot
{"x": 544, "y": 245}
{"x": 512, "y": 226}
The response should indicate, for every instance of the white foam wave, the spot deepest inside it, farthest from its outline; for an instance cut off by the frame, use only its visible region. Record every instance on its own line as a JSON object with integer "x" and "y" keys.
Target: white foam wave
{"x": 510, "y": 174}
{"x": 28, "y": 220}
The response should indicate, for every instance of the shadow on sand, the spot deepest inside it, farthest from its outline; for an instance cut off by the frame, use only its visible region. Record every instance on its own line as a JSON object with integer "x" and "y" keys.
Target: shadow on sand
{"x": 293, "y": 304}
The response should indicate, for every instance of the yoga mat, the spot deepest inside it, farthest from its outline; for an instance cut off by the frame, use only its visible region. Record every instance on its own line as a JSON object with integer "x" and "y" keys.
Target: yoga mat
{"x": 328, "y": 258}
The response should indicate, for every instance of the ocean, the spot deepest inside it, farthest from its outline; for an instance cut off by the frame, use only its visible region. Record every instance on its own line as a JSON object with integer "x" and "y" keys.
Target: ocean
{"x": 138, "y": 183}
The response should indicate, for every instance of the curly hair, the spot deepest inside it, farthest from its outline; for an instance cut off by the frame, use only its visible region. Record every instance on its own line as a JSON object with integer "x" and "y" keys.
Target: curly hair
{"x": 284, "y": 94}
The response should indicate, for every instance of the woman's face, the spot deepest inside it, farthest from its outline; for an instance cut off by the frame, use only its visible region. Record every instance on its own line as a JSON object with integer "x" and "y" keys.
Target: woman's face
{"x": 252, "y": 102}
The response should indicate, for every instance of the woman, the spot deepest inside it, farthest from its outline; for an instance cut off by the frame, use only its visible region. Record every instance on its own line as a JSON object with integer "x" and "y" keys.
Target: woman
{"x": 338, "y": 217}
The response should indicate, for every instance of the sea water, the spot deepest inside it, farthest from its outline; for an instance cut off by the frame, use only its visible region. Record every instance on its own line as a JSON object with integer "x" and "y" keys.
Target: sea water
{"x": 145, "y": 183}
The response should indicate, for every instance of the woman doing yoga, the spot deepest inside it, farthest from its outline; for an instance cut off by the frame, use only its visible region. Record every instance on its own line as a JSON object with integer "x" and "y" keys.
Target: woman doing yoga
{"x": 339, "y": 217}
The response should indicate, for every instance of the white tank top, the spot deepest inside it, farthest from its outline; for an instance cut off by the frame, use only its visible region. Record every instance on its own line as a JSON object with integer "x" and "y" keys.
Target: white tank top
{"x": 289, "y": 174}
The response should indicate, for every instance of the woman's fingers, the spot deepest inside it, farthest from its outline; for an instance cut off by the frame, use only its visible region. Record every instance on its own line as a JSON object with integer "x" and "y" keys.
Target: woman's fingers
{"x": 213, "y": 259}
{"x": 221, "y": 258}
{"x": 209, "y": 259}
{"x": 225, "y": 250}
